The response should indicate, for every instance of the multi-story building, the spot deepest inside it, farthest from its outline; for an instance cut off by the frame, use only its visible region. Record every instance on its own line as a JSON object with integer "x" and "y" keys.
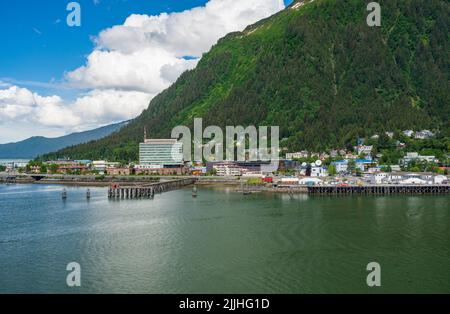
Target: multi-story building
{"x": 102, "y": 165}
{"x": 341, "y": 166}
{"x": 413, "y": 156}
{"x": 298, "y": 155}
{"x": 161, "y": 152}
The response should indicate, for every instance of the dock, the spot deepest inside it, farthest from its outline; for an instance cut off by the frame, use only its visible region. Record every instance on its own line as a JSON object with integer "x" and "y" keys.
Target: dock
{"x": 148, "y": 190}
{"x": 380, "y": 190}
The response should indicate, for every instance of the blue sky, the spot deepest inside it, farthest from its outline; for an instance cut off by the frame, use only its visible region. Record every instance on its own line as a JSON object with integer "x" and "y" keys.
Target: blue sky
{"x": 93, "y": 75}
{"x": 39, "y": 46}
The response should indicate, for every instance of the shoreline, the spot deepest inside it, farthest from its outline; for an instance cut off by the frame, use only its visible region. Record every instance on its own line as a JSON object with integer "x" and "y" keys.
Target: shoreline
{"x": 235, "y": 185}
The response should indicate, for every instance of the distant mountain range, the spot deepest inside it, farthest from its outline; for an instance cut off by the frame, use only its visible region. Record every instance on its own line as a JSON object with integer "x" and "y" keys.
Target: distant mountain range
{"x": 38, "y": 145}
{"x": 317, "y": 70}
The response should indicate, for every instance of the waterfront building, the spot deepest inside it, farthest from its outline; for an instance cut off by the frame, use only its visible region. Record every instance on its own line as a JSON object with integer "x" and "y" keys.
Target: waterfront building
{"x": 289, "y": 181}
{"x": 413, "y": 180}
{"x": 157, "y": 170}
{"x": 228, "y": 169}
{"x": 198, "y": 170}
{"x": 102, "y": 165}
{"x": 121, "y": 171}
{"x": 161, "y": 153}
{"x": 13, "y": 164}
{"x": 440, "y": 179}
{"x": 310, "y": 181}
{"x": 238, "y": 168}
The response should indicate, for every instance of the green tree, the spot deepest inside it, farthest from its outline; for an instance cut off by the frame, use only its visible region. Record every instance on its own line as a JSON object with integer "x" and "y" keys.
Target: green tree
{"x": 43, "y": 169}
{"x": 53, "y": 168}
{"x": 332, "y": 170}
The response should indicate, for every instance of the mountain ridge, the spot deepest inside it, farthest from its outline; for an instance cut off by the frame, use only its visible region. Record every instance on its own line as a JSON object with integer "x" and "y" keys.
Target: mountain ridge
{"x": 318, "y": 71}
{"x": 38, "y": 145}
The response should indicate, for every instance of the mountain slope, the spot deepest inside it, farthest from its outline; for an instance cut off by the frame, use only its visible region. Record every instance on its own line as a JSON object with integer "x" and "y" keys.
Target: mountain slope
{"x": 35, "y": 146}
{"x": 319, "y": 72}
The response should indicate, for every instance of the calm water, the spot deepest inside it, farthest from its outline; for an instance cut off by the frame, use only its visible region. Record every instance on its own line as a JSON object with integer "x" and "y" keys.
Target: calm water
{"x": 221, "y": 242}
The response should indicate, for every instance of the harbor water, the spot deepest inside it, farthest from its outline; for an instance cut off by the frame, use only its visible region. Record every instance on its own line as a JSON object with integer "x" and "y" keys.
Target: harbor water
{"x": 221, "y": 242}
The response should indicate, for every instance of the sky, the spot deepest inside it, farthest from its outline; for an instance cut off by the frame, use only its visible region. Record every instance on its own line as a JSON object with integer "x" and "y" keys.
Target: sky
{"x": 56, "y": 79}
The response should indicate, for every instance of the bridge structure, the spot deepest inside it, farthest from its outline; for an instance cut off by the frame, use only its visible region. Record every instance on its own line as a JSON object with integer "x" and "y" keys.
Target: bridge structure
{"x": 148, "y": 190}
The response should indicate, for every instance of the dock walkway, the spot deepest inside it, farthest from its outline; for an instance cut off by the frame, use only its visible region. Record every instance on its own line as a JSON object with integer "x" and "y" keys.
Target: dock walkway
{"x": 148, "y": 190}
{"x": 380, "y": 190}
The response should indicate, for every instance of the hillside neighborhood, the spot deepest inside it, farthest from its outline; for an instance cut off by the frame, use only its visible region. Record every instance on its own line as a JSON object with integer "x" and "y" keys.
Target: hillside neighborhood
{"x": 359, "y": 165}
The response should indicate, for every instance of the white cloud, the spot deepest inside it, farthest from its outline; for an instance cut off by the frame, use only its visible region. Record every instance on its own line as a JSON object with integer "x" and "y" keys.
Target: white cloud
{"x": 105, "y": 106}
{"x": 130, "y": 64}
{"x": 97, "y": 107}
{"x": 146, "y": 52}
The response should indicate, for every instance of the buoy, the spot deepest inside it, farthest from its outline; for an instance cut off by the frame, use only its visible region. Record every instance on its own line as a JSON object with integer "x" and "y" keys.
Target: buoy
{"x": 194, "y": 191}
{"x": 88, "y": 194}
{"x": 64, "y": 194}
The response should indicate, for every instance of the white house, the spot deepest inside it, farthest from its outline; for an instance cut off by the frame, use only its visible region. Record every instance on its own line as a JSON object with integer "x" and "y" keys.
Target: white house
{"x": 439, "y": 179}
{"x": 408, "y": 133}
{"x": 380, "y": 177}
{"x": 318, "y": 171}
{"x": 102, "y": 165}
{"x": 413, "y": 156}
{"x": 289, "y": 181}
{"x": 341, "y": 166}
{"x": 310, "y": 181}
{"x": 424, "y": 134}
{"x": 365, "y": 150}
{"x": 298, "y": 155}
{"x": 413, "y": 181}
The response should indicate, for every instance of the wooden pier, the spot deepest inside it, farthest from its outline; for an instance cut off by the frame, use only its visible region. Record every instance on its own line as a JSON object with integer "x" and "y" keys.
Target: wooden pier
{"x": 380, "y": 190}
{"x": 148, "y": 190}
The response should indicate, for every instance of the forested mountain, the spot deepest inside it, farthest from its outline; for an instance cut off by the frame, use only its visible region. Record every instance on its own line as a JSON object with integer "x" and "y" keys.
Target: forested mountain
{"x": 38, "y": 145}
{"x": 318, "y": 71}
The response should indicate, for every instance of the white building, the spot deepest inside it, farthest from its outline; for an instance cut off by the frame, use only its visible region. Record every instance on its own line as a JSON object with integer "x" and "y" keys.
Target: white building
{"x": 102, "y": 165}
{"x": 413, "y": 180}
{"x": 365, "y": 150}
{"x": 298, "y": 155}
{"x": 341, "y": 166}
{"x": 413, "y": 156}
{"x": 318, "y": 171}
{"x": 310, "y": 181}
{"x": 424, "y": 134}
{"x": 380, "y": 177}
{"x": 408, "y": 133}
{"x": 439, "y": 179}
{"x": 225, "y": 170}
{"x": 289, "y": 181}
{"x": 162, "y": 152}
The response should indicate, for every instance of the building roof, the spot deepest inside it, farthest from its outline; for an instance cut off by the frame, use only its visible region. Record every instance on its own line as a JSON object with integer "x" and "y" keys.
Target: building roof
{"x": 364, "y": 161}
{"x": 161, "y": 141}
